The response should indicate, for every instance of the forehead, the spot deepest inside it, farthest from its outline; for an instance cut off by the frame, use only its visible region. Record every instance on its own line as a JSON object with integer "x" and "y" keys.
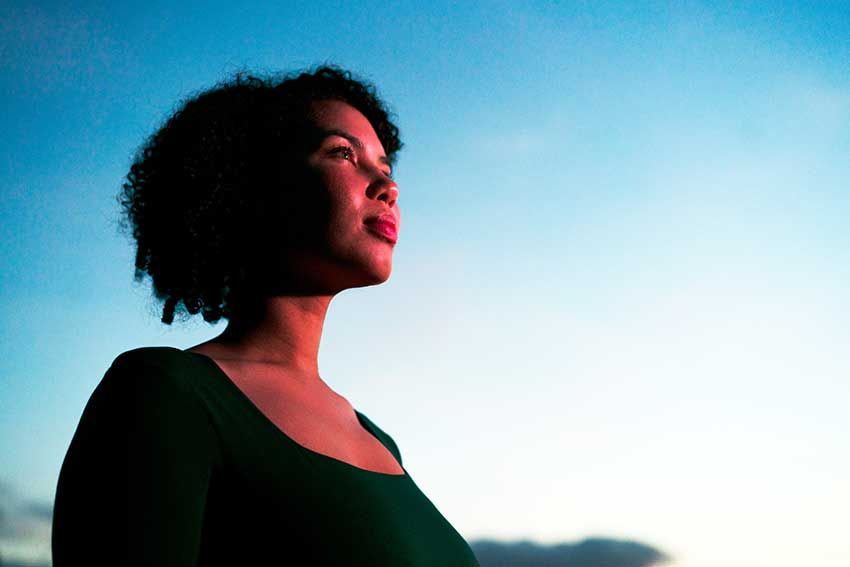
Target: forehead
{"x": 338, "y": 115}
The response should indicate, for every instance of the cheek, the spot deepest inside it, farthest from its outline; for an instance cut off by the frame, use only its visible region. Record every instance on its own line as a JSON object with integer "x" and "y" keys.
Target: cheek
{"x": 314, "y": 198}
{"x": 342, "y": 195}
{"x": 329, "y": 206}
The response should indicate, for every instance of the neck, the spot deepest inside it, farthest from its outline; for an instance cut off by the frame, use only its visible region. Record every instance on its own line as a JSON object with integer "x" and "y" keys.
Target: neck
{"x": 280, "y": 330}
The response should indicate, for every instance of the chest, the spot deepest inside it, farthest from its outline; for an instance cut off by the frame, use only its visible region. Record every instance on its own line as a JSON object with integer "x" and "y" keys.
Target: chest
{"x": 275, "y": 507}
{"x": 315, "y": 418}
{"x": 271, "y": 501}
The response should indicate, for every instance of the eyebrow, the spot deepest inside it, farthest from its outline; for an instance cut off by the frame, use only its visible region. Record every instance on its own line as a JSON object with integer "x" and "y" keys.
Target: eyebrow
{"x": 355, "y": 141}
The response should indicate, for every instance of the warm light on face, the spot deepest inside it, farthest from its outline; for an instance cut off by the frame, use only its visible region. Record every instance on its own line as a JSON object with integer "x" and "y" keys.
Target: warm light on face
{"x": 346, "y": 209}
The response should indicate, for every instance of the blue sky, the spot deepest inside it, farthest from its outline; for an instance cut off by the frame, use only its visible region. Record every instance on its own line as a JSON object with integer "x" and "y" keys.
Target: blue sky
{"x": 619, "y": 303}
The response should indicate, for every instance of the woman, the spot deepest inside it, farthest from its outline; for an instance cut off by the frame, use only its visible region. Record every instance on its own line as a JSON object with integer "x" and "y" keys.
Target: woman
{"x": 258, "y": 201}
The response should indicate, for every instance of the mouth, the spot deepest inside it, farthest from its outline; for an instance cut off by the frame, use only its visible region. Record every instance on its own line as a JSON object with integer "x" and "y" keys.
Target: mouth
{"x": 384, "y": 228}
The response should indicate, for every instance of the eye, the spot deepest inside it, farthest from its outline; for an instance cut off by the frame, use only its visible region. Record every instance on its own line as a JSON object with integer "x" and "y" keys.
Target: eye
{"x": 345, "y": 152}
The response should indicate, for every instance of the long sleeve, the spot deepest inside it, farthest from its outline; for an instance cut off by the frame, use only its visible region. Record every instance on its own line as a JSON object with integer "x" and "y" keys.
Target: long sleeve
{"x": 134, "y": 482}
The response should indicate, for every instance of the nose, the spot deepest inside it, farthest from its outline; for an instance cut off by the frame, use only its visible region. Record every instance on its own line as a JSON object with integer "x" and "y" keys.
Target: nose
{"x": 383, "y": 189}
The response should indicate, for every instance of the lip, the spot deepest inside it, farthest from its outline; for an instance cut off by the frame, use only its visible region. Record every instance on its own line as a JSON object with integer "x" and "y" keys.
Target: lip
{"x": 384, "y": 226}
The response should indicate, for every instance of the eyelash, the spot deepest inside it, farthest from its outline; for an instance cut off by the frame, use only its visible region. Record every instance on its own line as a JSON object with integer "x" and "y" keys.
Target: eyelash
{"x": 348, "y": 154}
{"x": 346, "y": 151}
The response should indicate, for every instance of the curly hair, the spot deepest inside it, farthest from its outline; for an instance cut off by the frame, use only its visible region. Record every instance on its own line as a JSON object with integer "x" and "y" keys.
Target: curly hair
{"x": 198, "y": 185}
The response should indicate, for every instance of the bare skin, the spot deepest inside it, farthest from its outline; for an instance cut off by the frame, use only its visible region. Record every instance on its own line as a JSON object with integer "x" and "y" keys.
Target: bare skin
{"x": 270, "y": 352}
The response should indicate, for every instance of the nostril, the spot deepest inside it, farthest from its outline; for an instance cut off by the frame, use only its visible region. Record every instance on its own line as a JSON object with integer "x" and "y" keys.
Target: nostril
{"x": 384, "y": 190}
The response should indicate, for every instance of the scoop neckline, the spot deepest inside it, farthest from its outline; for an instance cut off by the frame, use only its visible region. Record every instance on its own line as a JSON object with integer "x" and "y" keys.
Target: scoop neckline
{"x": 263, "y": 417}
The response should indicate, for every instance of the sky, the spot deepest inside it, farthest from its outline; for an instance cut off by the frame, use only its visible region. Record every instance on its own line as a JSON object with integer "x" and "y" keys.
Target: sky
{"x": 619, "y": 300}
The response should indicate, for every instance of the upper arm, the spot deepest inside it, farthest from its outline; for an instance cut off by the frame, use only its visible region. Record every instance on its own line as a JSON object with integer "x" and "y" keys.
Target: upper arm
{"x": 134, "y": 482}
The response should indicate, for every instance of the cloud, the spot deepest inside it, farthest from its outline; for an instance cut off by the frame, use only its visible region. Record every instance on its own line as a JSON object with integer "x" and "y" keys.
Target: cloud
{"x": 25, "y": 564}
{"x": 591, "y": 552}
{"x": 509, "y": 145}
{"x": 25, "y": 527}
{"x": 52, "y": 48}
{"x": 34, "y": 36}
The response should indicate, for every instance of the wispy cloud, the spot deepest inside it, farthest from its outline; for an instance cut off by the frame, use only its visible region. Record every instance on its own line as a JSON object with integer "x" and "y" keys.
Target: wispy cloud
{"x": 24, "y": 529}
{"x": 54, "y": 48}
{"x": 591, "y": 552}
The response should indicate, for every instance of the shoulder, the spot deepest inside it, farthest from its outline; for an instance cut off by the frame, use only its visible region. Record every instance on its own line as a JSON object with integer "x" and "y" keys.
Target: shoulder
{"x": 382, "y": 436}
{"x": 149, "y": 398}
{"x": 142, "y": 427}
{"x": 156, "y": 366}
{"x": 152, "y": 379}
{"x": 167, "y": 359}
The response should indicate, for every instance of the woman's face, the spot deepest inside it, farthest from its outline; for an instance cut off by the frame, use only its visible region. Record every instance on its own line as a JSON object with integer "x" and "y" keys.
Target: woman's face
{"x": 346, "y": 212}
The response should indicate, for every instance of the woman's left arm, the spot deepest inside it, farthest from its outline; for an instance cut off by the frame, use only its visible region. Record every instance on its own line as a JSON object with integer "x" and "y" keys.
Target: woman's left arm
{"x": 133, "y": 485}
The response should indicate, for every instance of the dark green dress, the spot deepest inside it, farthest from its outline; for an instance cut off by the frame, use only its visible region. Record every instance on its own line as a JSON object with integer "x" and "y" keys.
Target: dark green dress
{"x": 173, "y": 465}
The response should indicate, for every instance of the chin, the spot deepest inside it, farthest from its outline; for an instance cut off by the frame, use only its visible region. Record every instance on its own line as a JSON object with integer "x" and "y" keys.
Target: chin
{"x": 375, "y": 277}
{"x": 384, "y": 277}
{"x": 335, "y": 278}
{"x": 372, "y": 269}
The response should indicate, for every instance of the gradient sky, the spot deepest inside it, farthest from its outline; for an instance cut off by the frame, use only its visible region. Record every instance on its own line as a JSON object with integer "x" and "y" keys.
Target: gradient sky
{"x": 620, "y": 297}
